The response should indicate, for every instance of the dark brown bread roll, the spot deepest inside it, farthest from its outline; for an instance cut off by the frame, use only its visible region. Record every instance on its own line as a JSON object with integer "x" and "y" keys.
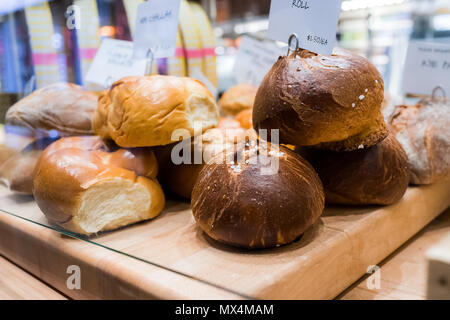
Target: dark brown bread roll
{"x": 246, "y": 206}
{"x": 374, "y": 175}
{"x": 333, "y": 102}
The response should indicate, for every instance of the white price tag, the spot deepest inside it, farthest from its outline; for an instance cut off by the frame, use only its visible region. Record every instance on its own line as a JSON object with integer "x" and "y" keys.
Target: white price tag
{"x": 254, "y": 59}
{"x": 156, "y": 28}
{"x": 314, "y": 22}
{"x": 427, "y": 66}
{"x": 113, "y": 61}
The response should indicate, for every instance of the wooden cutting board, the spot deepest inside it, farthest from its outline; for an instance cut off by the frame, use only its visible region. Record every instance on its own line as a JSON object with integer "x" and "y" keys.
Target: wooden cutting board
{"x": 184, "y": 263}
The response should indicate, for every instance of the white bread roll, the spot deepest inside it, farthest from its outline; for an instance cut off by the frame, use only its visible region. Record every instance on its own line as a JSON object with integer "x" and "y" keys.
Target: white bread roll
{"x": 65, "y": 107}
{"x": 98, "y": 187}
{"x": 144, "y": 111}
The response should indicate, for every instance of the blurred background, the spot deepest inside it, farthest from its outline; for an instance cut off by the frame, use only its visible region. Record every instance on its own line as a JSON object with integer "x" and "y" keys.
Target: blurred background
{"x": 39, "y": 46}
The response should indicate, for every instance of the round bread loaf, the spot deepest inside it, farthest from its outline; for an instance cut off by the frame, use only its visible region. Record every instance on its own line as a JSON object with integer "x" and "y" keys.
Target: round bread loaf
{"x": 98, "y": 187}
{"x": 65, "y": 107}
{"x": 423, "y": 131}
{"x": 179, "y": 178}
{"x": 268, "y": 199}
{"x": 376, "y": 175}
{"x": 238, "y": 98}
{"x": 145, "y": 111}
{"x": 331, "y": 102}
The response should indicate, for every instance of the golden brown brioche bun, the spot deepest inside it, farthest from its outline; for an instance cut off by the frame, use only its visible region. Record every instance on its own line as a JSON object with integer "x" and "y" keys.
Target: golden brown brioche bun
{"x": 98, "y": 187}
{"x": 237, "y": 204}
{"x": 65, "y": 107}
{"x": 144, "y": 111}
{"x": 332, "y": 102}
{"x": 180, "y": 178}
{"x": 424, "y": 132}
{"x": 375, "y": 175}
{"x": 245, "y": 118}
{"x": 238, "y": 98}
{"x": 17, "y": 172}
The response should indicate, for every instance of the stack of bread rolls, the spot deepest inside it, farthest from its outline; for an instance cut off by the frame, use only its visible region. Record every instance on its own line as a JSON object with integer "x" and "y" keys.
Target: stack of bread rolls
{"x": 60, "y": 109}
{"x": 329, "y": 108}
{"x": 109, "y": 180}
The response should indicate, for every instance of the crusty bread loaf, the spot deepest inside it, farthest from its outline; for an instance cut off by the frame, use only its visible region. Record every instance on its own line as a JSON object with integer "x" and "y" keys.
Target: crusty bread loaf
{"x": 17, "y": 172}
{"x": 424, "y": 132}
{"x": 332, "y": 102}
{"x": 144, "y": 111}
{"x": 238, "y": 98}
{"x": 65, "y": 107}
{"x": 87, "y": 186}
{"x": 179, "y": 178}
{"x": 241, "y": 205}
{"x": 375, "y": 175}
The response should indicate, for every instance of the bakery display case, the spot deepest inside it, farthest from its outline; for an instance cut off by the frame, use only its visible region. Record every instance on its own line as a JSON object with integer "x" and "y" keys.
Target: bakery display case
{"x": 185, "y": 183}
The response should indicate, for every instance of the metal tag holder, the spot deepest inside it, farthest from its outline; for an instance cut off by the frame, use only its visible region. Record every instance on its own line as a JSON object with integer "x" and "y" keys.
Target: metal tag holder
{"x": 293, "y": 37}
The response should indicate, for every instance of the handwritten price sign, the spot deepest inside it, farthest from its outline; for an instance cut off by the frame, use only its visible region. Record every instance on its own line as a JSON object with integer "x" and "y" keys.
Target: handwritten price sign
{"x": 427, "y": 66}
{"x": 314, "y": 22}
{"x": 156, "y": 29}
{"x": 114, "y": 61}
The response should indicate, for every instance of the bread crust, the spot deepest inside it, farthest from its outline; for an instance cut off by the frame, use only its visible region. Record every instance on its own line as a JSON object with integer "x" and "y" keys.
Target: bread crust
{"x": 423, "y": 131}
{"x": 331, "y": 102}
{"x": 80, "y": 163}
{"x": 238, "y": 98}
{"x": 144, "y": 111}
{"x": 65, "y": 107}
{"x": 376, "y": 175}
{"x": 241, "y": 207}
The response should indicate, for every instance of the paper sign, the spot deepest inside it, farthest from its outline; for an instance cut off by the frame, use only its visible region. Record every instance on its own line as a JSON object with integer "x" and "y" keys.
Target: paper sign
{"x": 314, "y": 22}
{"x": 113, "y": 61}
{"x": 255, "y": 58}
{"x": 156, "y": 28}
{"x": 427, "y": 66}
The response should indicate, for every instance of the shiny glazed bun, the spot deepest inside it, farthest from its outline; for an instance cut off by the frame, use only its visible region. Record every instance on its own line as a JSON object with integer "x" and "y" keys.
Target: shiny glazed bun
{"x": 375, "y": 175}
{"x": 238, "y": 98}
{"x": 98, "y": 187}
{"x": 332, "y": 102}
{"x": 65, "y": 107}
{"x": 144, "y": 111}
{"x": 268, "y": 199}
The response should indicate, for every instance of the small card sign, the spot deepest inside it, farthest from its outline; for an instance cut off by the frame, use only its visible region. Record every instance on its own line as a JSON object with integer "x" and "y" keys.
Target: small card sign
{"x": 156, "y": 28}
{"x": 427, "y": 66}
{"x": 114, "y": 61}
{"x": 254, "y": 59}
{"x": 314, "y": 22}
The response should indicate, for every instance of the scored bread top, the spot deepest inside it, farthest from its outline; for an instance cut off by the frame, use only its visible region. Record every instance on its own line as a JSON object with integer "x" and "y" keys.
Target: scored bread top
{"x": 332, "y": 102}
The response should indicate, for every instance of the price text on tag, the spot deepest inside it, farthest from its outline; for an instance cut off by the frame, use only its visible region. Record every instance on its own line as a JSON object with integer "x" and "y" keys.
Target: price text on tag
{"x": 314, "y": 22}
{"x": 254, "y": 59}
{"x": 156, "y": 28}
{"x": 427, "y": 66}
{"x": 113, "y": 61}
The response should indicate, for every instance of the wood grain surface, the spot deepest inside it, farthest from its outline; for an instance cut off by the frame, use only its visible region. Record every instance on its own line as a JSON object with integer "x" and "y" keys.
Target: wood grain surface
{"x": 330, "y": 256}
{"x": 17, "y": 284}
